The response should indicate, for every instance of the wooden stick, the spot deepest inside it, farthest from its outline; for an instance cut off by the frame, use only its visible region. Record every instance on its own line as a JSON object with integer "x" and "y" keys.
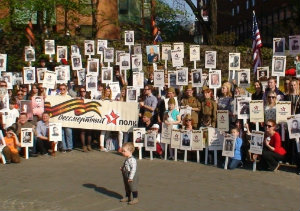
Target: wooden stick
{"x": 185, "y": 156}
{"x": 215, "y": 93}
{"x": 257, "y": 126}
{"x": 226, "y": 163}
{"x": 233, "y": 74}
{"x": 254, "y": 164}
{"x": 206, "y": 155}
{"x": 166, "y": 64}
{"x": 140, "y": 153}
{"x": 26, "y": 153}
{"x": 195, "y": 64}
{"x": 175, "y": 159}
{"x": 151, "y": 155}
{"x": 198, "y": 156}
{"x": 166, "y": 151}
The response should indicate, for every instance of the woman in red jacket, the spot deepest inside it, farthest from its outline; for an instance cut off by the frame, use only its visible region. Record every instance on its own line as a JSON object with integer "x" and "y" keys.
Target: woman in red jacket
{"x": 273, "y": 152}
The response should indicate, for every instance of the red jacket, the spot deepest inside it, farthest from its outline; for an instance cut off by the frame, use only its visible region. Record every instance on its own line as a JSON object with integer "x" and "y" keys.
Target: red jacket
{"x": 276, "y": 143}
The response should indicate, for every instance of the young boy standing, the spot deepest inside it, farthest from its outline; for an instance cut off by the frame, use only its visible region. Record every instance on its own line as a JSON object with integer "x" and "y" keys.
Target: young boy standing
{"x": 236, "y": 159}
{"x": 129, "y": 172}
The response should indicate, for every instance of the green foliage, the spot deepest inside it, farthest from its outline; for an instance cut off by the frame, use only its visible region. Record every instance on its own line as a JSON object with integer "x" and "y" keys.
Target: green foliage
{"x": 225, "y": 39}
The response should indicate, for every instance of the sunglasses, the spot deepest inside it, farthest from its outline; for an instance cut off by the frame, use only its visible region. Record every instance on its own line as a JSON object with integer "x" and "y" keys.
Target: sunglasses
{"x": 20, "y": 94}
{"x": 269, "y": 126}
{"x": 63, "y": 89}
{"x": 188, "y": 120}
{"x": 271, "y": 97}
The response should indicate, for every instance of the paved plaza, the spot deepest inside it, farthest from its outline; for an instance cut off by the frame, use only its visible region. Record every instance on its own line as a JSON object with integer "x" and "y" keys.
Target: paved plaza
{"x": 92, "y": 181}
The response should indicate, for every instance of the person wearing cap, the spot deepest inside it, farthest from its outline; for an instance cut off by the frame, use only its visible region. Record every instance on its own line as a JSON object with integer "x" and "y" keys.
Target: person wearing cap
{"x": 164, "y": 104}
{"x": 146, "y": 120}
{"x": 208, "y": 113}
{"x": 191, "y": 101}
{"x": 159, "y": 150}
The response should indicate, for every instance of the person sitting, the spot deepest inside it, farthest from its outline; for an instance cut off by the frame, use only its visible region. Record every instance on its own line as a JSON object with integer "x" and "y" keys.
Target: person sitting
{"x": 235, "y": 161}
{"x": 10, "y": 151}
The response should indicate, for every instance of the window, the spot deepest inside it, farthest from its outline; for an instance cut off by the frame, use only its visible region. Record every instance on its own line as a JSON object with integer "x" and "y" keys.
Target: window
{"x": 232, "y": 12}
{"x": 237, "y": 9}
{"x": 253, "y": 3}
{"x": 247, "y": 4}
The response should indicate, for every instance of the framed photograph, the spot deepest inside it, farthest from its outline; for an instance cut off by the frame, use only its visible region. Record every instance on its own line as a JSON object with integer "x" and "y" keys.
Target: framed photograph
{"x": 55, "y": 132}
{"x": 152, "y": 53}
{"x": 2, "y": 141}
{"x": 197, "y": 143}
{"x": 184, "y": 110}
{"x": 179, "y": 46}
{"x": 37, "y": 105}
{"x": 294, "y": 45}
{"x": 278, "y": 46}
{"x": 101, "y": 46}
{"x": 228, "y": 146}
{"x": 3, "y": 62}
{"x": 243, "y": 107}
{"x": 210, "y": 59}
{"x": 17, "y": 78}
{"x": 166, "y": 133}
{"x": 26, "y": 107}
{"x": 159, "y": 78}
{"x": 89, "y": 47}
{"x": 262, "y": 74}
{"x": 8, "y": 78}
{"x": 49, "y": 79}
{"x": 172, "y": 79}
{"x": 233, "y": 75}
{"x": 197, "y": 77}
{"x": 214, "y": 79}
{"x": 115, "y": 90}
{"x": 234, "y": 61}
{"x": 93, "y": 66}
{"x": 107, "y": 74}
{"x": 166, "y": 52}
{"x": 26, "y": 137}
{"x": 129, "y": 37}
{"x": 131, "y": 94}
{"x": 139, "y": 137}
{"x": 137, "y": 49}
{"x": 109, "y": 55}
{"x": 75, "y": 50}
{"x": 182, "y": 76}
{"x": 186, "y": 139}
{"x": 194, "y": 52}
{"x": 256, "y": 142}
{"x": 175, "y": 139}
{"x": 50, "y": 47}
{"x": 297, "y": 69}
{"x": 256, "y": 111}
{"x": 40, "y": 74}
{"x": 91, "y": 82}
{"x": 244, "y": 78}
{"x": 61, "y": 75}
{"x": 177, "y": 60}
{"x": 118, "y": 53}
{"x": 278, "y": 65}
{"x": 81, "y": 77}
{"x": 150, "y": 141}
{"x": 137, "y": 62}
{"x": 205, "y": 79}
{"x": 125, "y": 61}
{"x": 215, "y": 139}
{"x": 4, "y": 100}
{"x": 223, "y": 120}
{"x": 29, "y": 54}
{"x": 138, "y": 80}
{"x": 76, "y": 62}
{"x": 62, "y": 53}
{"x": 29, "y": 75}
{"x": 283, "y": 111}
{"x": 293, "y": 123}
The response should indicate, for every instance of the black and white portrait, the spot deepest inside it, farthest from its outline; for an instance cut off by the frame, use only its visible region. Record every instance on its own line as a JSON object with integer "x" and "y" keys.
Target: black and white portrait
{"x": 91, "y": 82}
{"x": 262, "y": 74}
{"x": 294, "y": 45}
{"x": 125, "y": 61}
{"x": 81, "y": 77}
{"x": 186, "y": 137}
{"x": 3, "y": 61}
{"x": 62, "y": 53}
{"x": 137, "y": 49}
{"x": 101, "y": 46}
{"x": 75, "y": 50}
{"x": 93, "y": 66}
{"x": 196, "y": 77}
{"x": 29, "y": 54}
{"x": 278, "y": 65}
{"x": 150, "y": 141}
{"x": 29, "y": 75}
{"x": 118, "y": 53}
{"x": 109, "y": 55}
{"x": 50, "y": 47}
{"x": 129, "y": 37}
{"x": 138, "y": 137}
{"x": 76, "y": 62}
{"x": 89, "y": 47}
{"x": 106, "y": 74}
{"x": 210, "y": 59}
{"x": 278, "y": 46}
{"x": 131, "y": 94}
{"x": 26, "y": 137}
{"x": 234, "y": 61}
{"x": 137, "y": 63}
{"x": 182, "y": 76}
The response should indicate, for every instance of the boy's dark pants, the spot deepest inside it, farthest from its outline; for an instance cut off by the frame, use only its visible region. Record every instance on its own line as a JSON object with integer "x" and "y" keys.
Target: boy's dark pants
{"x": 130, "y": 186}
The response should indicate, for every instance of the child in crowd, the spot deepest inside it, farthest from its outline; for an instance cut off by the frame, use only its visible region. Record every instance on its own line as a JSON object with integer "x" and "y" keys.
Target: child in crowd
{"x": 159, "y": 149}
{"x": 235, "y": 161}
{"x": 10, "y": 151}
{"x": 129, "y": 172}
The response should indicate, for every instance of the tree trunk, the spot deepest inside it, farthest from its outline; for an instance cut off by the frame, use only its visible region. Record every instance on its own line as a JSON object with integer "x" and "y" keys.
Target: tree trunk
{"x": 40, "y": 21}
{"x": 213, "y": 23}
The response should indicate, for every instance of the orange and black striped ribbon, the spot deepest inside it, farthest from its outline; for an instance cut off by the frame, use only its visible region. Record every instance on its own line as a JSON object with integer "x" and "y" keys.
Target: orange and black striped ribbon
{"x": 29, "y": 33}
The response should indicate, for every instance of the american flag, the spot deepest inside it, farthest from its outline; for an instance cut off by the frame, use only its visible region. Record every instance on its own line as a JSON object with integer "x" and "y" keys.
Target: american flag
{"x": 256, "y": 45}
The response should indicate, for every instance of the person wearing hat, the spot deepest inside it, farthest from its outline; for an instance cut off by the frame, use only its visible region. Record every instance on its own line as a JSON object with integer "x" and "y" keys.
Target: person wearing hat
{"x": 163, "y": 106}
{"x": 191, "y": 101}
{"x": 208, "y": 113}
{"x": 146, "y": 120}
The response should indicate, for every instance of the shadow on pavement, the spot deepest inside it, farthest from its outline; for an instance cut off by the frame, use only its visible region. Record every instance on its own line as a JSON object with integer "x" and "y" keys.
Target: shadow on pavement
{"x": 104, "y": 191}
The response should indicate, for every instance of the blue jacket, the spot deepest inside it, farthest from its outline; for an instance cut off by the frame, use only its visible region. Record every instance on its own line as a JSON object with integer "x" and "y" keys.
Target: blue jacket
{"x": 237, "y": 149}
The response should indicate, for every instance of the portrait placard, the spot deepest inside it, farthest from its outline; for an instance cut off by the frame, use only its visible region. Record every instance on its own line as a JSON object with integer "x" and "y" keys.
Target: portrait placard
{"x": 278, "y": 65}
{"x": 223, "y": 120}
{"x": 184, "y": 110}
{"x": 91, "y": 82}
{"x": 233, "y": 75}
{"x": 278, "y": 46}
{"x": 61, "y": 75}
{"x": 179, "y": 46}
{"x": 186, "y": 139}
{"x": 197, "y": 77}
{"x": 175, "y": 139}
{"x": 28, "y": 75}
{"x": 93, "y": 66}
{"x": 204, "y": 131}
{"x": 137, "y": 49}
{"x": 26, "y": 137}
{"x": 62, "y": 53}
{"x": 37, "y": 105}
{"x": 131, "y": 94}
{"x": 234, "y": 61}
{"x": 197, "y": 143}
{"x": 5, "y": 100}
{"x": 109, "y": 55}
{"x": 89, "y": 47}
{"x": 256, "y": 111}
{"x": 3, "y": 62}
{"x": 172, "y": 79}
{"x": 166, "y": 133}
{"x": 228, "y": 146}
{"x": 159, "y": 78}
{"x": 40, "y": 74}
{"x": 55, "y": 132}
{"x": 26, "y": 107}
{"x": 138, "y": 80}
{"x": 138, "y": 137}
{"x": 129, "y": 37}
{"x": 205, "y": 78}
{"x": 214, "y": 79}
{"x": 293, "y": 123}
{"x": 166, "y": 52}
{"x": 177, "y": 60}
{"x": 17, "y": 78}
{"x": 75, "y": 50}
{"x": 101, "y": 46}
{"x": 256, "y": 142}
{"x": 176, "y": 103}
{"x": 194, "y": 52}
{"x": 262, "y": 74}
{"x": 294, "y": 45}
{"x": 243, "y": 107}
{"x": 8, "y": 78}
{"x": 150, "y": 141}
{"x": 50, "y": 47}
{"x": 182, "y": 76}
{"x": 49, "y": 79}
{"x": 125, "y": 61}
{"x": 107, "y": 74}
{"x": 118, "y": 54}
{"x": 152, "y": 53}
{"x": 283, "y": 111}
{"x": 215, "y": 140}
{"x": 29, "y": 54}
{"x": 137, "y": 62}
{"x": 81, "y": 77}
{"x": 115, "y": 90}
{"x": 76, "y": 62}
{"x": 210, "y": 59}
{"x": 244, "y": 78}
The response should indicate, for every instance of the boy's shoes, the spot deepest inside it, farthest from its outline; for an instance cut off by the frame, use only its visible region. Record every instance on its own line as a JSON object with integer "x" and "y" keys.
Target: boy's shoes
{"x": 125, "y": 200}
{"x": 89, "y": 148}
{"x": 134, "y": 201}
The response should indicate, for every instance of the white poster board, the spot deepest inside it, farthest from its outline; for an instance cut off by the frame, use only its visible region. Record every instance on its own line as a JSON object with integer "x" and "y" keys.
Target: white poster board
{"x": 278, "y": 65}
{"x": 283, "y": 111}
{"x": 223, "y": 120}
{"x": 228, "y": 146}
{"x": 210, "y": 59}
{"x": 159, "y": 78}
{"x": 197, "y": 143}
{"x": 243, "y": 107}
{"x": 215, "y": 140}
{"x": 214, "y": 79}
{"x": 166, "y": 133}
{"x": 176, "y": 139}
{"x": 150, "y": 141}
{"x": 194, "y": 53}
{"x": 234, "y": 61}
{"x": 138, "y": 137}
{"x": 256, "y": 142}
{"x": 186, "y": 139}
{"x": 182, "y": 76}
{"x": 294, "y": 126}
{"x": 256, "y": 111}
{"x": 55, "y": 132}
{"x": 27, "y": 137}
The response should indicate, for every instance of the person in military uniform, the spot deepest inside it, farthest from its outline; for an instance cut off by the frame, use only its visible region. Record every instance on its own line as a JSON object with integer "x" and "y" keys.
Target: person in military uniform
{"x": 191, "y": 101}
{"x": 208, "y": 113}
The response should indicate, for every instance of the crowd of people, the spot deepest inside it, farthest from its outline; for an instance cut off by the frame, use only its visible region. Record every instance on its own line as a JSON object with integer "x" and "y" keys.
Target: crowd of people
{"x": 157, "y": 106}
